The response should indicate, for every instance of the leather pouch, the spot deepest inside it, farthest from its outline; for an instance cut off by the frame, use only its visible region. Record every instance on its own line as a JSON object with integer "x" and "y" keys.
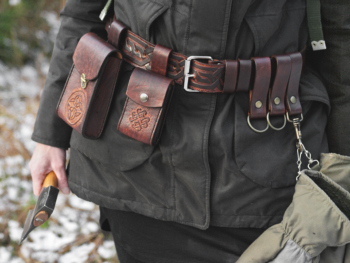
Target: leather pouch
{"x": 87, "y": 94}
{"x": 148, "y": 97}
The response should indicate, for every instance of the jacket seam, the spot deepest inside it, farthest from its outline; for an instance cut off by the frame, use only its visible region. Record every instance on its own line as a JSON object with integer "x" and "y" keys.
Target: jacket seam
{"x": 171, "y": 153}
{"x": 279, "y": 13}
{"x": 225, "y": 29}
{"x": 112, "y": 199}
{"x": 281, "y": 215}
{"x": 188, "y": 30}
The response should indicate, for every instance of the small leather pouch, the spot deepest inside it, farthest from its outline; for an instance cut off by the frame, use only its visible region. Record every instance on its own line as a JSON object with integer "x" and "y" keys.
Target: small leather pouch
{"x": 148, "y": 97}
{"x": 87, "y": 94}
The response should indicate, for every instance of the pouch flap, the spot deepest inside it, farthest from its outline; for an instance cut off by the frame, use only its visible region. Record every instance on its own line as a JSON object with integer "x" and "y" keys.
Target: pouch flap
{"x": 147, "y": 88}
{"x": 90, "y": 55}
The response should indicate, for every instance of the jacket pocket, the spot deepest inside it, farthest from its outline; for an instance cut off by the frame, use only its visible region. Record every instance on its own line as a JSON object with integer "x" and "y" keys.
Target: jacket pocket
{"x": 269, "y": 158}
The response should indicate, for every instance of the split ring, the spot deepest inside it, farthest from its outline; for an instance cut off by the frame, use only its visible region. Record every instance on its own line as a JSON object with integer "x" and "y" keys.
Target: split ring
{"x": 273, "y": 127}
{"x": 251, "y": 126}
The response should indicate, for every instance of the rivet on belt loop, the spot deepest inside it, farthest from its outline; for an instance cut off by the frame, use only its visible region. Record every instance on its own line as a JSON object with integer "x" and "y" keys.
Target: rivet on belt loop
{"x": 258, "y": 104}
{"x": 277, "y": 101}
{"x": 144, "y": 97}
{"x": 293, "y": 99}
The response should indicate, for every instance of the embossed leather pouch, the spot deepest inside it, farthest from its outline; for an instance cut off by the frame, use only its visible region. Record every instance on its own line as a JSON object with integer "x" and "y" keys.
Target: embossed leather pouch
{"x": 148, "y": 97}
{"x": 87, "y": 95}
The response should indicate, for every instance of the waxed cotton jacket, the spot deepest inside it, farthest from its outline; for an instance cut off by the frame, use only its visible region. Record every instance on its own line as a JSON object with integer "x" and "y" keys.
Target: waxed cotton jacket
{"x": 209, "y": 167}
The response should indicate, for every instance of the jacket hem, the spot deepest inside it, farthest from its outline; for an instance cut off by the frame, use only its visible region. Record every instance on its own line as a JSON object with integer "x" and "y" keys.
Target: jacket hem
{"x": 245, "y": 221}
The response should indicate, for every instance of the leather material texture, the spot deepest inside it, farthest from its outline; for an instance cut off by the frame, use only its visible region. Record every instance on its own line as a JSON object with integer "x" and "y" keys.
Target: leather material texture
{"x": 85, "y": 101}
{"x": 293, "y": 85}
{"x": 144, "y": 120}
{"x": 160, "y": 59}
{"x": 116, "y": 29}
{"x": 262, "y": 69}
{"x": 281, "y": 65}
{"x": 231, "y": 72}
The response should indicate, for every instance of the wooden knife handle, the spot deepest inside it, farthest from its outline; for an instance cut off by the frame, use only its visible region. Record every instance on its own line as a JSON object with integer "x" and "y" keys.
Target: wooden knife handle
{"x": 51, "y": 180}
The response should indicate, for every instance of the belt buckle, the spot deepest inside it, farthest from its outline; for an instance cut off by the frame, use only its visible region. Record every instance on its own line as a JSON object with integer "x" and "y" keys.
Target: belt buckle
{"x": 187, "y": 71}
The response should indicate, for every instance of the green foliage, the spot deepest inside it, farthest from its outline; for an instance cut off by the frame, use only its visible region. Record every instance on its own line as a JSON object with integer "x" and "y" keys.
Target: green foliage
{"x": 45, "y": 225}
{"x": 24, "y": 32}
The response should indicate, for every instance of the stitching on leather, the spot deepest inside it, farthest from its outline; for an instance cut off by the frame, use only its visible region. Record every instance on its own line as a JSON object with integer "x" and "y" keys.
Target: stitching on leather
{"x": 64, "y": 89}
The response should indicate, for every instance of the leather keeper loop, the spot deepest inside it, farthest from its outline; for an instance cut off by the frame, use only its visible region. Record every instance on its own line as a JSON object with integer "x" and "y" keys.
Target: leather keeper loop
{"x": 231, "y": 72}
{"x": 244, "y": 74}
{"x": 160, "y": 59}
{"x": 281, "y": 65}
{"x": 258, "y": 99}
{"x": 115, "y": 31}
{"x": 292, "y": 99}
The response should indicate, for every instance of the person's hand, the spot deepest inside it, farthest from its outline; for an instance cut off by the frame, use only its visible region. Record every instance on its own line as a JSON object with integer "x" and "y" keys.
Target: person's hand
{"x": 44, "y": 160}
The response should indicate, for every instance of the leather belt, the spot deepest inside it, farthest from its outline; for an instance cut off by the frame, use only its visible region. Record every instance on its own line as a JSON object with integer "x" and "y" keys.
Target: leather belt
{"x": 273, "y": 82}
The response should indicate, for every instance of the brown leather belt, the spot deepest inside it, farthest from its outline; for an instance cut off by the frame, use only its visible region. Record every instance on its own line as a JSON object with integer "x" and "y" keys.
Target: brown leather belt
{"x": 273, "y": 82}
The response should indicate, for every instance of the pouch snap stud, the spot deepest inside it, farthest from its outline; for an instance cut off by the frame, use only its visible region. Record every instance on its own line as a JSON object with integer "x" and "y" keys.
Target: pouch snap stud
{"x": 277, "y": 101}
{"x": 293, "y": 99}
{"x": 258, "y": 104}
{"x": 144, "y": 97}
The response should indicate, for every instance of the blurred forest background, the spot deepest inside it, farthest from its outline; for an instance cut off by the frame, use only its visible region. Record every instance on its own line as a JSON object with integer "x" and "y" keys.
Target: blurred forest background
{"x": 28, "y": 29}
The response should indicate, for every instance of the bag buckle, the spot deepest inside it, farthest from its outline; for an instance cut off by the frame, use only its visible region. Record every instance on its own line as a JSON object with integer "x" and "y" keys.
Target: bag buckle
{"x": 187, "y": 74}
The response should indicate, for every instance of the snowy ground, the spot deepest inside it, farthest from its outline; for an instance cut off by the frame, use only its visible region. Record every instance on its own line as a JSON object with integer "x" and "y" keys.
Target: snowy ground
{"x": 72, "y": 234}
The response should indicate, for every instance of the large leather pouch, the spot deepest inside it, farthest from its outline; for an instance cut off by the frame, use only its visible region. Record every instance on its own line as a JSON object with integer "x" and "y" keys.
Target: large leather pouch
{"x": 87, "y": 94}
{"x": 148, "y": 97}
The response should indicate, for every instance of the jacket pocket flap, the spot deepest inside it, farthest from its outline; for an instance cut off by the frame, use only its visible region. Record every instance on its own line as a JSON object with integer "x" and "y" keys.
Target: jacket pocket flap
{"x": 147, "y": 88}
{"x": 90, "y": 55}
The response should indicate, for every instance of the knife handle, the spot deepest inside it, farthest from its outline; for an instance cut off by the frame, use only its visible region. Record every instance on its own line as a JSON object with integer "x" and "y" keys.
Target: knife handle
{"x": 51, "y": 180}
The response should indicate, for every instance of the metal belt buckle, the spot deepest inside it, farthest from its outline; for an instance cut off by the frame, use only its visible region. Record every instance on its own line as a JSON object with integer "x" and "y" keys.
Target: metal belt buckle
{"x": 187, "y": 70}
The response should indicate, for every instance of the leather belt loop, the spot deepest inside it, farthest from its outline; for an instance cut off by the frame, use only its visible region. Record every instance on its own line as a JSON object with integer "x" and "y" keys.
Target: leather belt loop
{"x": 244, "y": 74}
{"x": 231, "y": 71}
{"x": 115, "y": 31}
{"x": 258, "y": 99}
{"x": 160, "y": 59}
{"x": 282, "y": 66}
{"x": 292, "y": 99}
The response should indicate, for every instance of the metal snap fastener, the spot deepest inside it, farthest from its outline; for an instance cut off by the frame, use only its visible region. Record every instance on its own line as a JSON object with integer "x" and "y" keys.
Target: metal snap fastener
{"x": 277, "y": 101}
{"x": 144, "y": 97}
{"x": 258, "y": 104}
{"x": 293, "y": 99}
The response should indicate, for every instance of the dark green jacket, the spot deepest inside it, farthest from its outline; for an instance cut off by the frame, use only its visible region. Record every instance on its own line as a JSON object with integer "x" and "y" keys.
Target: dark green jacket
{"x": 209, "y": 167}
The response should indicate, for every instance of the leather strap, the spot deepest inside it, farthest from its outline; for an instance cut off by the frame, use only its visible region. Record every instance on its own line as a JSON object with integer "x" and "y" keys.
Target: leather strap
{"x": 160, "y": 59}
{"x": 208, "y": 77}
{"x": 231, "y": 71}
{"x": 258, "y": 98}
{"x": 244, "y": 75}
{"x": 292, "y": 99}
{"x": 115, "y": 32}
{"x": 281, "y": 65}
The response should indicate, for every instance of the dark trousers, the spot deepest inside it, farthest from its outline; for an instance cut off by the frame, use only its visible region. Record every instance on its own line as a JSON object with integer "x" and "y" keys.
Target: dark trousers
{"x": 140, "y": 239}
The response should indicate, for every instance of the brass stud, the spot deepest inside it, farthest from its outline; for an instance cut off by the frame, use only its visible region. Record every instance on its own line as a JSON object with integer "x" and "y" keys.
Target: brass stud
{"x": 83, "y": 81}
{"x": 293, "y": 99}
{"x": 277, "y": 101}
{"x": 258, "y": 104}
{"x": 144, "y": 97}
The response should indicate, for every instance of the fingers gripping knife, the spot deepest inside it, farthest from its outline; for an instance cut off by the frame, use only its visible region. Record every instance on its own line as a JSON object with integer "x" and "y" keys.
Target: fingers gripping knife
{"x": 44, "y": 206}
